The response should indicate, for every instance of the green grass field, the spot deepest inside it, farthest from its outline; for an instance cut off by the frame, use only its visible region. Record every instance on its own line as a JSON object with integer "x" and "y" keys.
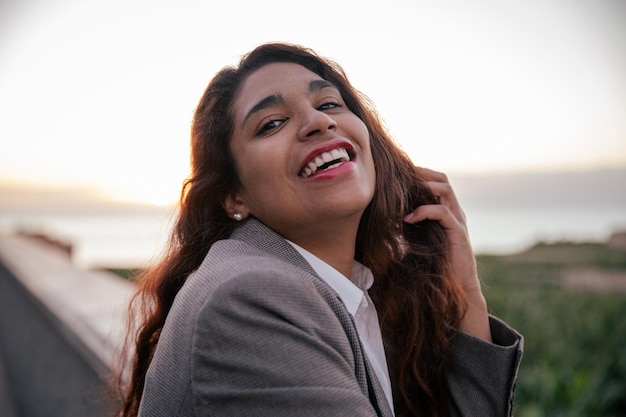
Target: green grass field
{"x": 575, "y": 341}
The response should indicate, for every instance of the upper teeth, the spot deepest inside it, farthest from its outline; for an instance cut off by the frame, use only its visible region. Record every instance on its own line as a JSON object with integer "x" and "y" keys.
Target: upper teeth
{"x": 340, "y": 155}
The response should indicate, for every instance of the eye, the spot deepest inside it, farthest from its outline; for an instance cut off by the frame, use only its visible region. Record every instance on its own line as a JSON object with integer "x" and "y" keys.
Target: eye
{"x": 329, "y": 105}
{"x": 269, "y": 126}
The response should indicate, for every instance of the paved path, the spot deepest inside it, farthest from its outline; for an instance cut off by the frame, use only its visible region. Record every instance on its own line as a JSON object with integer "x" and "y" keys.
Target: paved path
{"x": 60, "y": 328}
{"x": 7, "y": 403}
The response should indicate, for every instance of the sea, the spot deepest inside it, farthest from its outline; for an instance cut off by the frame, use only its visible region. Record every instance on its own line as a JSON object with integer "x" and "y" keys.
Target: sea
{"x": 136, "y": 239}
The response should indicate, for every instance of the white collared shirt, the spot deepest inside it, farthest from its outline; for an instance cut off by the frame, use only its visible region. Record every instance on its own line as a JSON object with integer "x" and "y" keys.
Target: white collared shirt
{"x": 354, "y": 294}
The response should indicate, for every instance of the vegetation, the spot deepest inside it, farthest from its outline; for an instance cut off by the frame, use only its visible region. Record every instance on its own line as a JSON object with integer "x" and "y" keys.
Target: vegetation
{"x": 126, "y": 273}
{"x": 575, "y": 341}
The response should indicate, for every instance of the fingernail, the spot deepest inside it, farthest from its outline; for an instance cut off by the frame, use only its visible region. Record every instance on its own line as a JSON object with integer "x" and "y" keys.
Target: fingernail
{"x": 408, "y": 217}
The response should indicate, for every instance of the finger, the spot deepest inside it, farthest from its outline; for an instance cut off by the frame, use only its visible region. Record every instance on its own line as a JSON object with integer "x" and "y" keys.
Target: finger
{"x": 442, "y": 190}
{"x": 436, "y": 212}
{"x": 445, "y": 195}
{"x": 439, "y": 184}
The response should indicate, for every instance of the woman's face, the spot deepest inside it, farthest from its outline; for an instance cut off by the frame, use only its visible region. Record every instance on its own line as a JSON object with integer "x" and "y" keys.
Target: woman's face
{"x": 303, "y": 158}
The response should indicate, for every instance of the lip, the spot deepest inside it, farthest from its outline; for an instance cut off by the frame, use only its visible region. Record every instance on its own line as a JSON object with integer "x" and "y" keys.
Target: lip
{"x": 329, "y": 146}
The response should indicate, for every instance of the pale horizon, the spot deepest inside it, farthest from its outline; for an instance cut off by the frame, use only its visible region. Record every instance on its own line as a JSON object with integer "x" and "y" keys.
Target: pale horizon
{"x": 506, "y": 213}
{"x": 582, "y": 187}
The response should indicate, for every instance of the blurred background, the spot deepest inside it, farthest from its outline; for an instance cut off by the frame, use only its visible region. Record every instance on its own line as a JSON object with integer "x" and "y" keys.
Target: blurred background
{"x": 521, "y": 103}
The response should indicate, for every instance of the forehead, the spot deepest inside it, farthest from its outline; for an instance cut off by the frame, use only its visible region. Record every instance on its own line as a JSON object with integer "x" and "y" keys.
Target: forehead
{"x": 276, "y": 78}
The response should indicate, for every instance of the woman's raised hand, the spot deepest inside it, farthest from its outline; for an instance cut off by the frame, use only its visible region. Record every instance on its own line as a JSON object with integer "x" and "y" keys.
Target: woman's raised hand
{"x": 460, "y": 256}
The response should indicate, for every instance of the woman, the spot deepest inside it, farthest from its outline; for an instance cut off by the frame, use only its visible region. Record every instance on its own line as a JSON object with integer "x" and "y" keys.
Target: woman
{"x": 297, "y": 202}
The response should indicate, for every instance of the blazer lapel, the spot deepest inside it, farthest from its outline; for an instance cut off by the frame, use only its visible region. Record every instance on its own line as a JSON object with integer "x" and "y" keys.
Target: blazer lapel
{"x": 375, "y": 390}
{"x": 257, "y": 234}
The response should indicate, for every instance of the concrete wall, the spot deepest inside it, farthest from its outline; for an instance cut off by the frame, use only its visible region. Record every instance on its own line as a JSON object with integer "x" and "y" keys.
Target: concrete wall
{"x": 60, "y": 332}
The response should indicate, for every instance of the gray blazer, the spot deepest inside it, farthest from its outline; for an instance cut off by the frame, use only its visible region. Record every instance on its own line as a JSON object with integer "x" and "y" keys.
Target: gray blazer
{"x": 255, "y": 332}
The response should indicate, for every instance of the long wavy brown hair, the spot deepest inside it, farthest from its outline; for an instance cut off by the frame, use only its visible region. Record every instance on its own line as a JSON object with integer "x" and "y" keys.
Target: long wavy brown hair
{"x": 417, "y": 300}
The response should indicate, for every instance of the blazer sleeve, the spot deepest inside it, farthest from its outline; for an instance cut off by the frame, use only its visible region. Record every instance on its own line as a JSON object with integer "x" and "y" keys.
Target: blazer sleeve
{"x": 483, "y": 375}
{"x": 269, "y": 345}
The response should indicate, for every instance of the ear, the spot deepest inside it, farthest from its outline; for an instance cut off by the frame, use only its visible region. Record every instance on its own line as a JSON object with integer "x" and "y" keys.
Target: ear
{"x": 233, "y": 204}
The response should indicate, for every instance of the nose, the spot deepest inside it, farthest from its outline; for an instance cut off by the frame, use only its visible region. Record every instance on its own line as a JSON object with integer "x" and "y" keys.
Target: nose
{"x": 316, "y": 123}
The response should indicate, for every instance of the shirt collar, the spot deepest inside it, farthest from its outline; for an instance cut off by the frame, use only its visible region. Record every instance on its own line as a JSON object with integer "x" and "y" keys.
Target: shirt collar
{"x": 351, "y": 291}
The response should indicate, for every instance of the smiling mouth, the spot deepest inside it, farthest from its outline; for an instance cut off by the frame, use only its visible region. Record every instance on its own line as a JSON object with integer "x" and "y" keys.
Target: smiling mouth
{"x": 325, "y": 161}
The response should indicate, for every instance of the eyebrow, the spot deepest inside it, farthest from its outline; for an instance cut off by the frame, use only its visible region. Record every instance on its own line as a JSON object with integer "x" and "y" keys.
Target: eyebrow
{"x": 275, "y": 99}
{"x": 268, "y": 101}
{"x": 317, "y": 85}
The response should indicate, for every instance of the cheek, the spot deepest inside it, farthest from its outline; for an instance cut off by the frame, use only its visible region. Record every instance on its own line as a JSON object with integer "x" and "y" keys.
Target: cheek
{"x": 361, "y": 131}
{"x": 259, "y": 171}
{"x": 363, "y": 128}
{"x": 369, "y": 163}
{"x": 373, "y": 180}
{"x": 245, "y": 160}
{"x": 246, "y": 170}
{"x": 250, "y": 169}
{"x": 367, "y": 150}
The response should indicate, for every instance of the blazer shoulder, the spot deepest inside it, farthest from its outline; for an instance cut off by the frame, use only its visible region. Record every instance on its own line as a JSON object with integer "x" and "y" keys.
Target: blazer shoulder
{"x": 263, "y": 280}
{"x": 232, "y": 258}
{"x": 235, "y": 270}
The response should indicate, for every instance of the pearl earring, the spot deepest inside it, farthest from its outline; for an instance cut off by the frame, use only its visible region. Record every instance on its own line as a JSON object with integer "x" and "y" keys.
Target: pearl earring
{"x": 238, "y": 217}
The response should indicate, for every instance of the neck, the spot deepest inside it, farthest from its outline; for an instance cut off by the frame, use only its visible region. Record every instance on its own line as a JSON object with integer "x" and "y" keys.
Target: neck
{"x": 332, "y": 243}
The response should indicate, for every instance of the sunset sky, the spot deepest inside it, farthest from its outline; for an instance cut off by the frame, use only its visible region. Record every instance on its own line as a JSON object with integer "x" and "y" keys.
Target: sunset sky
{"x": 99, "y": 94}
